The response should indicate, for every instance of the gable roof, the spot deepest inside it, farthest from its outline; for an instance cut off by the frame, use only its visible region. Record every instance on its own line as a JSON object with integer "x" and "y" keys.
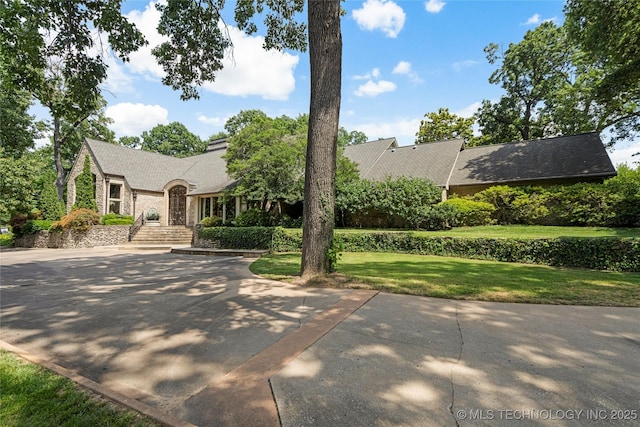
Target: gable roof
{"x": 433, "y": 161}
{"x": 150, "y": 171}
{"x": 576, "y": 156}
{"x": 366, "y": 155}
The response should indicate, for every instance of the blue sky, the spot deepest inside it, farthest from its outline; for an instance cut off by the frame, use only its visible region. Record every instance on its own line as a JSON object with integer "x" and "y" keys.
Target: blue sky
{"x": 401, "y": 60}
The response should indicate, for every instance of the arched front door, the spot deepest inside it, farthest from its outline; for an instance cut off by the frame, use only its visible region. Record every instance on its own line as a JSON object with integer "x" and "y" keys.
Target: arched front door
{"x": 178, "y": 205}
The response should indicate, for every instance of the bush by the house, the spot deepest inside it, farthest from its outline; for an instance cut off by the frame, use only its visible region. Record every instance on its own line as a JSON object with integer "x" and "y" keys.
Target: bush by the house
{"x": 468, "y": 213}
{"x": 238, "y": 238}
{"x": 25, "y": 224}
{"x": 211, "y": 221}
{"x": 52, "y": 208}
{"x": 258, "y": 218}
{"x": 393, "y": 203}
{"x": 78, "y": 219}
{"x": 116, "y": 219}
{"x": 6, "y": 239}
{"x": 615, "y": 203}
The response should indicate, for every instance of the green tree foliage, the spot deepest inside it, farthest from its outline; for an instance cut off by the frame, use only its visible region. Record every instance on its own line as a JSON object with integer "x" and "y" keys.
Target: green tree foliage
{"x": 130, "y": 141}
{"x": 529, "y": 72}
{"x": 173, "y": 139}
{"x": 85, "y": 188}
{"x": 350, "y": 138}
{"x": 553, "y": 87}
{"x": 608, "y": 32}
{"x": 615, "y": 203}
{"x": 443, "y": 125}
{"x": 51, "y": 207}
{"x": 393, "y": 203}
{"x": 16, "y": 184}
{"x": 608, "y": 35}
{"x": 63, "y": 72}
{"x": 18, "y": 129}
{"x": 196, "y": 45}
{"x": 267, "y": 157}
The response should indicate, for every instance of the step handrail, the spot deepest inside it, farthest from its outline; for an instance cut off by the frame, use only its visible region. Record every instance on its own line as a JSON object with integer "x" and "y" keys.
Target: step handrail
{"x": 136, "y": 226}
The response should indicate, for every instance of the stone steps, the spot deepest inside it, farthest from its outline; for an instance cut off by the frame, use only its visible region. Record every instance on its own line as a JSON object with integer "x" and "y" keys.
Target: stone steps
{"x": 152, "y": 235}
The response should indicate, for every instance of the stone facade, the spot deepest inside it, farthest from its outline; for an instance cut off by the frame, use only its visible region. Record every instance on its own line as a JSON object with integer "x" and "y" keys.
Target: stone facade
{"x": 98, "y": 235}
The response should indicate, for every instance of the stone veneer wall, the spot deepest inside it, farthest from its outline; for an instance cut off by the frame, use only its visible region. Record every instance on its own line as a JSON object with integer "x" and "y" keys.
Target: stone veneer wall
{"x": 98, "y": 235}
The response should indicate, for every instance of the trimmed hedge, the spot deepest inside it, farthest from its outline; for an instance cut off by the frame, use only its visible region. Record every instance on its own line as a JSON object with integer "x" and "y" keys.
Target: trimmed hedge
{"x": 239, "y": 237}
{"x": 602, "y": 253}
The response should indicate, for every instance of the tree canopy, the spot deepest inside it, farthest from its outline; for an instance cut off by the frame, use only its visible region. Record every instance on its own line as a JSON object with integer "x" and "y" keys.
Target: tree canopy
{"x": 173, "y": 139}
{"x": 443, "y": 125}
{"x": 53, "y": 52}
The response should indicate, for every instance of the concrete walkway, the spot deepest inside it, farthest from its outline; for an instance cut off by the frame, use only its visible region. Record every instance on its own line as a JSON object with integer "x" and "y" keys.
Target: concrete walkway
{"x": 201, "y": 341}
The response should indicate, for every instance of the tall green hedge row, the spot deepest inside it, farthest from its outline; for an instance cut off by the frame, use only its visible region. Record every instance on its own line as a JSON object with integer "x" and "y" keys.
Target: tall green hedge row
{"x": 618, "y": 254}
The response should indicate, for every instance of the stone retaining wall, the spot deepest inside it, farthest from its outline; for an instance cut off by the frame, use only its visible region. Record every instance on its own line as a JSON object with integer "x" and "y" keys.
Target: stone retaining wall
{"x": 98, "y": 235}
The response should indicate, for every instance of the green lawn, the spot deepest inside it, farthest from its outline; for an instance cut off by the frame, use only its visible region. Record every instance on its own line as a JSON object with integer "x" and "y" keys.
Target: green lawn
{"x": 526, "y": 231}
{"x": 459, "y": 278}
{"x": 33, "y": 396}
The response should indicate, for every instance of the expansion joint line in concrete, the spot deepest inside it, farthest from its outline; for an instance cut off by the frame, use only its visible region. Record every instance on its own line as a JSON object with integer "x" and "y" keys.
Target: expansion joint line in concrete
{"x": 244, "y": 395}
{"x": 451, "y": 379}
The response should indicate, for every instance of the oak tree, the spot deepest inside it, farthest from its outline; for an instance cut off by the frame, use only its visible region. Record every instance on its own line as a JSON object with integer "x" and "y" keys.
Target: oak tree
{"x": 194, "y": 53}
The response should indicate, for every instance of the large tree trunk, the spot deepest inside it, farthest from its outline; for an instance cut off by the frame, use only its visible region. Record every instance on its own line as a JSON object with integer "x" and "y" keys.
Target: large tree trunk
{"x": 57, "y": 156}
{"x": 325, "y": 54}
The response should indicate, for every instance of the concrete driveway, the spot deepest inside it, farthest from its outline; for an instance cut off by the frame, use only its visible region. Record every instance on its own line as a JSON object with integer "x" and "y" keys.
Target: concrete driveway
{"x": 204, "y": 341}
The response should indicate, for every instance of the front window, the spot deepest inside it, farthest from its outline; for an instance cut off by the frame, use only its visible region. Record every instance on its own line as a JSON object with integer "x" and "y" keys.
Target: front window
{"x": 115, "y": 198}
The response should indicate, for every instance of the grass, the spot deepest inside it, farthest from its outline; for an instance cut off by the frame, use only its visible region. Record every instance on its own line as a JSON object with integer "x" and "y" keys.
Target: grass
{"x": 526, "y": 231}
{"x": 33, "y": 396}
{"x": 458, "y": 278}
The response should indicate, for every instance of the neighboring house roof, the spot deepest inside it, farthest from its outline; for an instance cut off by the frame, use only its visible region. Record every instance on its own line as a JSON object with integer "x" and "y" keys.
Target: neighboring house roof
{"x": 366, "y": 155}
{"x": 577, "y": 156}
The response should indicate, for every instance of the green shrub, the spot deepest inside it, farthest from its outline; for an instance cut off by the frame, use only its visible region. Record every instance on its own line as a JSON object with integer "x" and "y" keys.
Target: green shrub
{"x": 501, "y": 197}
{"x": 211, "y": 221}
{"x": 253, "y": 218}
{"x": 6, "y": 239}
{"x": 116, "y": 219}
{"x": 467, "y": 213}
{"x": 78, "y": 219}
{"x": 620, "y": 254}
{"x": 238, "y": 238}
{"x": 85, "y": 188}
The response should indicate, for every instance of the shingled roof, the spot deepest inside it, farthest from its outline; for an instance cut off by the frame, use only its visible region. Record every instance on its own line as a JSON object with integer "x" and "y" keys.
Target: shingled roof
{"x": 367, "y": 155}
{"x": 150, "y": 171}
{"x": 566, "y": 157}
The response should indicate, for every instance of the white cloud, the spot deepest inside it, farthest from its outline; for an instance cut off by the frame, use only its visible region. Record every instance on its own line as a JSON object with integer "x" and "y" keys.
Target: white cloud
{"x": 215, "y": 121}
{"x": 434, "y": 6}
{"x": 535, "y": 19}
{"x": 469, "y": 110}
{"x": 142, "y": 61}
{"x": 372, "y": 88}
{"x": 625, "y": 155}
{"x": 458, "y": 66}
{"x": 248, "y": 68}
{"x": 404, "y": 68}
{"x": 373, "y": 74}
{"x": 383, "y": 15}
{"x": 255, "y": 71}
{"x": 133, "y": 119}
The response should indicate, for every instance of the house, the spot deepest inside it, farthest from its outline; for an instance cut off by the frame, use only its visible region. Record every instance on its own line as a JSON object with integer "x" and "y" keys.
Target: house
{"x": 464, "y": 170}
{"x": 186, "y": 190}
{"x": 181, "y": 190}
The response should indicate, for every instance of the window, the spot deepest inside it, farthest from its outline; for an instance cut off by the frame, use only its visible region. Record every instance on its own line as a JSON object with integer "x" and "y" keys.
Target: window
{"x": 115, "y": 198}
{"x": 214, "y": 206}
